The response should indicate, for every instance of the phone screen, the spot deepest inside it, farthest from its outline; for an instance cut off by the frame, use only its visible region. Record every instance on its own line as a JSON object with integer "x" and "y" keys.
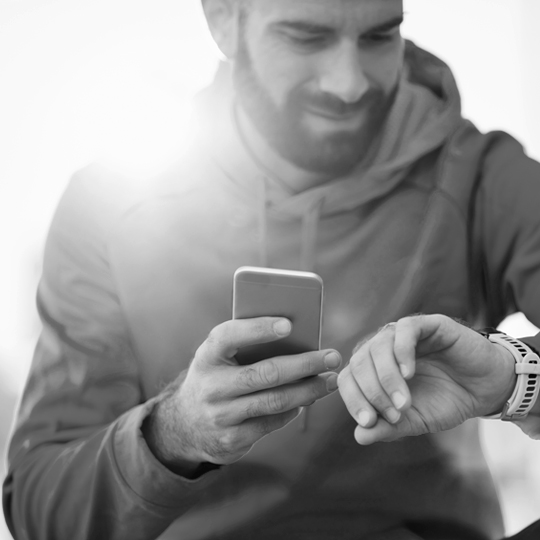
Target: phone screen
{"x": 298, "y": 296}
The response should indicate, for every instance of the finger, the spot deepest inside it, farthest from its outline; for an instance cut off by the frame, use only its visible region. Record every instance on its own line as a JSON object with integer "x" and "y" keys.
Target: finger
{"x": 284, "y": 398}
{"x": 388, "y": 373}
{"x": 357, "y": 405}
{"x": 381, "y": 431}
{"x": 425, "y": 334}
{"x": 224, "y": 340}
{"x": 408, "y": 332}
{"x": 282, "y": 370}
{"x": 367, "y": 379}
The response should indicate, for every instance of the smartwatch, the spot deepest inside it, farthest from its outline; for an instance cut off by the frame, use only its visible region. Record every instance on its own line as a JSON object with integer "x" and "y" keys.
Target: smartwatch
{"x": 527, "y": 370}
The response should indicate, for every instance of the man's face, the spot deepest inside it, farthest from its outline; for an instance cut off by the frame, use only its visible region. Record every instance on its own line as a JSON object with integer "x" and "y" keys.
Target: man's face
{"x": 318, "y": 77}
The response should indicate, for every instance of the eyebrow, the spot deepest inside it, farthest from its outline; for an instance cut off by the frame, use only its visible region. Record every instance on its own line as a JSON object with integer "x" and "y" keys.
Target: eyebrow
{"x": 387, "y": 25}
{"x": 313, "y": 28}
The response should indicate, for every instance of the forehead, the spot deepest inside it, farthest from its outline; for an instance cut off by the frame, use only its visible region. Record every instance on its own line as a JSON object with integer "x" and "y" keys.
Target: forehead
{"x": 361, "y": 13}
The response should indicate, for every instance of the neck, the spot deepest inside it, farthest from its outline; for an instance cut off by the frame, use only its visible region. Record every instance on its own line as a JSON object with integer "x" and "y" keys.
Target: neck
{"x": 291, "y": 177}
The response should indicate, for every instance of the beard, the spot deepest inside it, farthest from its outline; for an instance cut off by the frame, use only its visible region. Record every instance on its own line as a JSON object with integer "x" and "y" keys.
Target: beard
{"x": 334, "y": 154}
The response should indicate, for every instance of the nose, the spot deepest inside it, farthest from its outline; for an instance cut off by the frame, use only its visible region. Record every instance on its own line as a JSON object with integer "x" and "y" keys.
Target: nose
{"x": 343, "y": 75}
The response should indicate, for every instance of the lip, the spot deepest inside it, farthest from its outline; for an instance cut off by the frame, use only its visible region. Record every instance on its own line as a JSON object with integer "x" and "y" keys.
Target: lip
{"x": 331, "y": 115}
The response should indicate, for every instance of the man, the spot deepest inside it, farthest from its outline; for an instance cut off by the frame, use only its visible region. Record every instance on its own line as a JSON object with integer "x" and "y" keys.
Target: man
{"x": 330, "y": 145}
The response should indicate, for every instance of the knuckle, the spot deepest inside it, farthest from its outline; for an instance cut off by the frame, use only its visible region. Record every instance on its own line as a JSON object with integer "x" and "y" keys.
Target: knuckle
{"x": 402, "y": 347}
{"x": 269, "y": 374}
{"x": 318, "y": 390}
{"x": 259, "y": 327}
{"x": 387, "y": 380}
{"x": 200, "y": 352}
{"x": 278, "y": 402}
{"x": 249, "y": 378}
{"x": 254, "y": 409}
{"x": 220, "y": 418}
{"x": 391, "y": 326}
{"x": 357, "y": 366}
{"x": 307, "y": 365}
{"x": 343, "y": 377}
{"x": 405, "y": 322}
{"x": 211, "y": 393}
{"x": 376, "y": 397}
{"x": 227, "y": 443}
{"x": 378, "y": 348}
{"x": 215, "y": 337}
{"x": 207, "y": 417}
{"x": 364, "y": 341}
{"x": 380, "y": 401}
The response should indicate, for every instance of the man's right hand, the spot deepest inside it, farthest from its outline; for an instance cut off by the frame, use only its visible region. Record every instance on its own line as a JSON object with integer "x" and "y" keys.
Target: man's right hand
{"x": 217, "y": 410}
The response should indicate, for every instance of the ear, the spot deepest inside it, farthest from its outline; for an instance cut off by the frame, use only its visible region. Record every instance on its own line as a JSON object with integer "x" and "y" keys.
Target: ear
{"x": 222, "y": 19}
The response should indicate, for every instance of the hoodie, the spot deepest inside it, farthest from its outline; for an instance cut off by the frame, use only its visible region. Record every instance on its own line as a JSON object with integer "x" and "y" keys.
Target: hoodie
{"x": 442, "y": 221}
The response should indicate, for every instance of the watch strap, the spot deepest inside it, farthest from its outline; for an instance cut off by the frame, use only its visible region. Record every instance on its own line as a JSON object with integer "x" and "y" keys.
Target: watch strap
{"x": 527, "y": 369}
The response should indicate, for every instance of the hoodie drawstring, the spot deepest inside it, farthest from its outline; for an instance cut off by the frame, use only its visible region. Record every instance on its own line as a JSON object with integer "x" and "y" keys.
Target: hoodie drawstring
{"x": 262, "y": 224}
{"x": 310, "y": 228}
{"x": 308, "y": 239}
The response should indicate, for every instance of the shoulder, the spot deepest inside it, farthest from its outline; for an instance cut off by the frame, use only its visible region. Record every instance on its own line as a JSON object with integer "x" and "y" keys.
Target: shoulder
{"x": 99, "y": 197}
{"x": 510, "y": 179}
{"x": 492, "y": 167}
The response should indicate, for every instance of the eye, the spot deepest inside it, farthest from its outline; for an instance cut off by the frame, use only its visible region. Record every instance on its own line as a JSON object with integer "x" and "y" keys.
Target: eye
{"x": 306, "y": 40}
{"x": 380, "y": 37}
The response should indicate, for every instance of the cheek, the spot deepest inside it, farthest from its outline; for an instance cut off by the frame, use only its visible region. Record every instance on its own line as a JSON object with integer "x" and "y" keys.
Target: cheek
{"x": 383, "y": 68}
{"x": 280, "y": 73}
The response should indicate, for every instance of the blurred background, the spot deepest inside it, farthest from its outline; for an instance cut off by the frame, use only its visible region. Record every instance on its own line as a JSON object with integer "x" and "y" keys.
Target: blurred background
{"x": 83, "y": 79}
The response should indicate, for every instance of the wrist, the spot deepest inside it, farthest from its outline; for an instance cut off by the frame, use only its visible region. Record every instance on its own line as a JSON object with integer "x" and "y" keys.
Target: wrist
{"x": 507, "y": 369}
{"x": 162, "y": 439}
{"x": 527, "y": 373}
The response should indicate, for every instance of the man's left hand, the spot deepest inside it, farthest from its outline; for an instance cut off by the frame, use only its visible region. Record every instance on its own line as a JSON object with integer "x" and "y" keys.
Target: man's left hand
{"x": 424, "y": 374}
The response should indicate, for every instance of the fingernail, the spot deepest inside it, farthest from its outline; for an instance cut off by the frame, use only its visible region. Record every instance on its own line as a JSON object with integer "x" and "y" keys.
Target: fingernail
{"x": 282, "y": 327}
{"x": 331, "y": 383}
{"x": 332, "y": 360}
{"x": 392, "y": 415}
{"x": 399, "y": 400}
{"x": 364, "y": 418}
{"x": 404, "y": 371}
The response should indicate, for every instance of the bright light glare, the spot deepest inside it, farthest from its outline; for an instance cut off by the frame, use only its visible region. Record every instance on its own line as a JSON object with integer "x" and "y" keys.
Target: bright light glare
{"x": 109, "y": 79}
{"x": 142, "y": 129}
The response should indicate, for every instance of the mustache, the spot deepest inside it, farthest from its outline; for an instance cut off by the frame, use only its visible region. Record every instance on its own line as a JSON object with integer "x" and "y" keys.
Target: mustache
{"x": 335, "y": 105}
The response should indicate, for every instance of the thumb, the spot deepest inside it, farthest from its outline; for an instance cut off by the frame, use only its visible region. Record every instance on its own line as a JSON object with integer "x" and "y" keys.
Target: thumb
{"x": 224, "y": 340}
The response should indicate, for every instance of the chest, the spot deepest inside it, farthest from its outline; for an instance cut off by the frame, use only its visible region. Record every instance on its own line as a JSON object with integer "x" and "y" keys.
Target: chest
{"x": 378, "y": 262}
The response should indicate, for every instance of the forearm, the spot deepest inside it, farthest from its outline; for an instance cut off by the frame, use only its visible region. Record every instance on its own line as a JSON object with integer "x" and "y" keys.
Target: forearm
{"x": 106, "y": 485}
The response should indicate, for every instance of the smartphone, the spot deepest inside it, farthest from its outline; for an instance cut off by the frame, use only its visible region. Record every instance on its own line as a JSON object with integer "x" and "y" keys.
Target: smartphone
{"x": 298, "y": 296}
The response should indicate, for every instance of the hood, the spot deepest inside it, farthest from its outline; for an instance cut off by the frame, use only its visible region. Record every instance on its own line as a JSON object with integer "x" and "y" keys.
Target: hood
{"x": 427, "y": 111}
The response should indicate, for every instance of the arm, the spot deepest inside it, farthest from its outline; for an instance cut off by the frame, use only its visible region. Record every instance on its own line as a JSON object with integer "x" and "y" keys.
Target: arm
{"x": 446, "y": 357}
{"x": 508, "y": 231}
{"x": 424, "y": 374}
{"x": 78, "y": 464}
{"x": 89, "y": 458}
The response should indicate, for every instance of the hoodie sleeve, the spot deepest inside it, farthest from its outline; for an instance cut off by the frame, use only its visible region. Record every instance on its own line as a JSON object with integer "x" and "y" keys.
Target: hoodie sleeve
{"x": 508, "y": 221}
{"x": 78, "y": 464}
